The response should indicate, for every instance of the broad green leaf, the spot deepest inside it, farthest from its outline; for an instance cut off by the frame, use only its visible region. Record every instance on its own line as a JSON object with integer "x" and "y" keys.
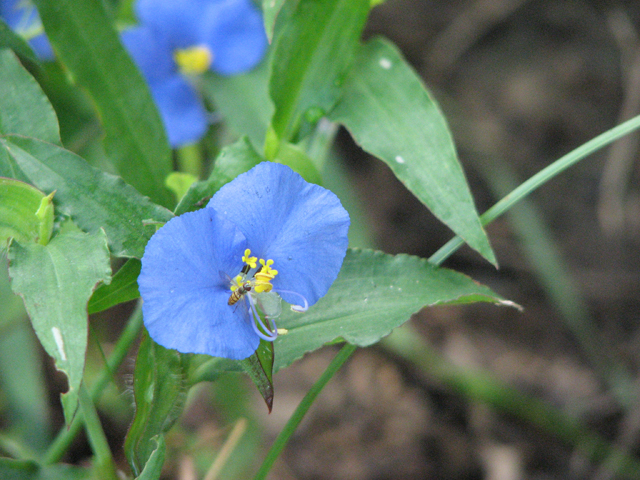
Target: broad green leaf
{"x": 24, "y": 108}
{"x": 153, "y": 467}
{"x": 373, "y": 294}
{"x": 87, "y": 43}
{"x": 159, "y": 387}
{"x": 19, "y": 205}
{"x": 232, "y": 161}
{"x": 270, "y": 10}
{"x": 93, "y": 199}
{"x": 10, "y": 39}
{"x": 123, "y": 288}
{"x": 259, "y": 367}
{"x": 55, "y": 282}
{"x": 11, "y": 469}
{"x": 391, "y": 115}
{"x": 311, "y": 57}
{"x": 243, "y": 101}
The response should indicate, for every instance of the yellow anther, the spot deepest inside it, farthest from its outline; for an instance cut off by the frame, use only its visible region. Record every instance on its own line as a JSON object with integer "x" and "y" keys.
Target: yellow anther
{"x": 264, "y": 276}
{"x": 266, "y": 268}
{"x": 248, "y": 259}
{"x": 193, "y": 60}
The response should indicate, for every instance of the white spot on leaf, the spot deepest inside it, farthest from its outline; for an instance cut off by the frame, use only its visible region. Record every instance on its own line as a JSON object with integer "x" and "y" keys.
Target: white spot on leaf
{"x": 385, "y": 63}
{"x": 57, "y": 336}
{"x": 400, "y": 160}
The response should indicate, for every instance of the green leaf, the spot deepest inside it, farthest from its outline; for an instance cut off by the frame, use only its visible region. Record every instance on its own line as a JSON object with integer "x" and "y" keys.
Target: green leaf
{"x": 295, "y": 157}
{"x": 93, "y": 199}
{"x": 19, "y": 204}
{"x": 259, "y": 367}
{"x": 243, "y": 101}
{"x": 55, "y": 281}
{"x": 179, "y": 183}
{"x": 232, "y": 161}
{"x": 159, "y": 387}
{"x": 11, "y": 469}
{"x": 24, "y": 108}
{"x": 311, "y": 57}
{"x": 123, "y": 288}
{"x": 373, "y": 294}
{"x": 87, "y": 43}
{"x": 153, "y": 468}
{"x": 204, "y": 368}
{"x": 391, "y": 115}
{"x": 10, "y": 39}
{"x": 270, "y": 10}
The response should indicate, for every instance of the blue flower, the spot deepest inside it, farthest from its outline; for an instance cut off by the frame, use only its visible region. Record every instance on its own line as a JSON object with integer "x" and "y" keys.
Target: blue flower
{"x": 265, "y": 235}
{"x": 176, "y": 40}
{"x": 23, "y": 17}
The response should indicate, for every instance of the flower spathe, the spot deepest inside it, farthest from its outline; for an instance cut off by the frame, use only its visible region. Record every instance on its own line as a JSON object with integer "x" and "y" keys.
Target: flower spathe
{"x": 265, "y": 235}
{"x": 176, "y": 40}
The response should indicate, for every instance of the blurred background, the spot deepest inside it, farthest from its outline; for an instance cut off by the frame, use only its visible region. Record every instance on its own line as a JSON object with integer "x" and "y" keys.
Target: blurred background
{"x": 522, "y": 82}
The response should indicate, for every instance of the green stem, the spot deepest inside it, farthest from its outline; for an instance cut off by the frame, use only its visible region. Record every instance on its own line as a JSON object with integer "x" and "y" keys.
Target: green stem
{"x": 283, "y": 438}
{"x": 104, "y": 465}
{"x": 540, "y": 179}
{"x": 66, "y": 435}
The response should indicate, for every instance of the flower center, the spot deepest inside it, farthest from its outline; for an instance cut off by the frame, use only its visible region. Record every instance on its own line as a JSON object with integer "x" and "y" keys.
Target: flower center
{"x": 252, "y": 278}
{"x": 255, "y": 281}
{"x": 193, "y": 60}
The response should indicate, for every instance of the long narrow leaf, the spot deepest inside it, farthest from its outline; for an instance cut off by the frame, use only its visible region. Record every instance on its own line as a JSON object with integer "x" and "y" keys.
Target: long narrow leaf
{"x": 86, "y": 41}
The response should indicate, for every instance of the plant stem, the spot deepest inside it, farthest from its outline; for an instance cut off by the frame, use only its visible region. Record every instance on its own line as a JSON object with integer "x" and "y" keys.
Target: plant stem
{"x": 66, "y": 435}
{"x": 283, "y": 438}
{"x": 104, "y": 466}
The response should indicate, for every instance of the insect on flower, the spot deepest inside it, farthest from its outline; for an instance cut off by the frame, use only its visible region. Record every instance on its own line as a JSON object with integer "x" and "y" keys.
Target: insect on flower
{"x": 237, "y": 294}
{"x": 213, "y": 281}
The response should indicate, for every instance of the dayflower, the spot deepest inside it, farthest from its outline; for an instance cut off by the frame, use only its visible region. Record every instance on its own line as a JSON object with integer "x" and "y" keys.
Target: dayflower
{"x": 22, "y": 17}
{"x": 207, "y": 275}
{"x": 176, "y": 40}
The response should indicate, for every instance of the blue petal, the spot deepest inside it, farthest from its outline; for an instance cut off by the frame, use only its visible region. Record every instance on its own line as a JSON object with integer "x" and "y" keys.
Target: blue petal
{"x": 185, "y": 297}
{"x": 302, "y": 227}
{"x": 150, "y": 51}
{"x": 234, "y": 31}
{"x": 183, "y": 114}
{"x": 178, "y": 21}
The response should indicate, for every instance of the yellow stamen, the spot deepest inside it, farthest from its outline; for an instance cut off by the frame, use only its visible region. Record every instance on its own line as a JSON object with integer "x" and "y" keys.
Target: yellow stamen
{"x": 193, "y": 60}
{"x": 264, "y": 276}
{"x": 248, "y": 259}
